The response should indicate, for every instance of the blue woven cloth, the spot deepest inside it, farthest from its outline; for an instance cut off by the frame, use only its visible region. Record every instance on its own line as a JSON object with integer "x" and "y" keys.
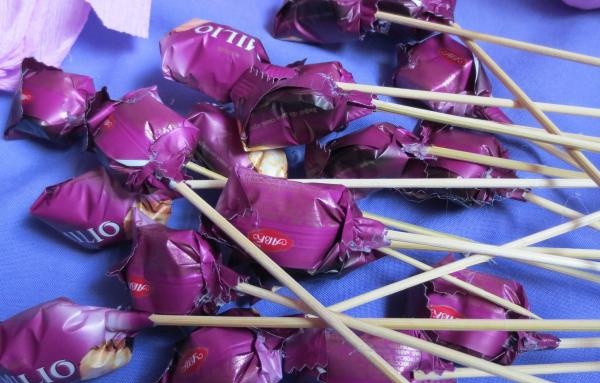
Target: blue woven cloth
{"x": 37, "y": 264}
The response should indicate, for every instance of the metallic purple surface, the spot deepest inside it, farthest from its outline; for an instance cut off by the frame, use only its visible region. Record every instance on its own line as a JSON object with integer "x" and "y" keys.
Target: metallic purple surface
{"x": 94, "y": 211}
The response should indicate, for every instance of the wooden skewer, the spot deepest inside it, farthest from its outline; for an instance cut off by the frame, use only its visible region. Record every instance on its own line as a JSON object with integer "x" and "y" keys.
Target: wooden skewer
{"x": 534, "y": 134}
{"x": 556, "y": 208}
{"x": 425, "y": 95}
{"x": 202, "y": 170}
{"x": 286, "y": 280}
{"x": 533, "y": 369}
{"x": 584, "y": 163}
{"x": 568, "y": 343}
{"x": 429, "y": 183}
{"x": 465, "y": 262}
{"x": 472, "y": 35}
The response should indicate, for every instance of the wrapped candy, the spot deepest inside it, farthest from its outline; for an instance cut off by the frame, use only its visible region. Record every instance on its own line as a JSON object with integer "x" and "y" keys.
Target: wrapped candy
{"x": 221, "y": 149}
{"x": 176, "y": 272}
{"x": 325, "y": 234}
{"x": 337, "y": 21}
{"x": 441, "y": 64}
{"x": 227, "y": 355}
{"x": 94, "y": 211}
{"x": 583, "y": 4}
{"x": 325, "y": 356}
{"x": 446, "y": 301}
{"x": 209, "y": 57}
{"x": 62, "y": 341}
{"x": 50, "y": 104}
{"x": 286, "y": 106}
{"x": 143, "y": 140}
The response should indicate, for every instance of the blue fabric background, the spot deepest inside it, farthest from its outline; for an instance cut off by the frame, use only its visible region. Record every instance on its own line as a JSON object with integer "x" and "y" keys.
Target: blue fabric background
{"x": 36, "y": 264}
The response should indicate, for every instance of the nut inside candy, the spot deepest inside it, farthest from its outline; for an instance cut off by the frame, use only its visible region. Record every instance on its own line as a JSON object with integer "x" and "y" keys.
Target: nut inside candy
{"x": 157, "y": 210}
{"x": 272, "y": 162}
{"x": 104, "y": 359}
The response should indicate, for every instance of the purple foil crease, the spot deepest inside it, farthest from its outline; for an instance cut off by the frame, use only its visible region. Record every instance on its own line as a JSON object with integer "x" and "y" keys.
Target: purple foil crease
{"x": 67, "y": 342}
{"x": 325, "y": 234}
{"x": 294, "y": 105}
{"x": 94, "y": 211}
{"x": 209, "y": 57}
{"x": 49, "y": 104}
{"x": 142, "y": 140}
{"x": 323, "y": 355}
{"x": 176, "y": 272}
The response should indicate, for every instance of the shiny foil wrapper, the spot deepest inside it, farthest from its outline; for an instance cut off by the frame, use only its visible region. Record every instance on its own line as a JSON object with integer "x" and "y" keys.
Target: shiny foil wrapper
{"x": 295, "y": 105}
{"x": 441, "y": 64}
{"x": 325, "y": 233}
{"x": 227, "y": 355}
{"x": 142, "y": 140}
{"x": 209, "y": 57}
{"x": 176, "y": 272}
{"x": 94, "y": 211}
{"x": 446, "y": 301}
{"x": 62, "y": 341}
{"x": 220, "y": 147}
{"x": 50, "y": 104}
{"x": 323, "y": 355}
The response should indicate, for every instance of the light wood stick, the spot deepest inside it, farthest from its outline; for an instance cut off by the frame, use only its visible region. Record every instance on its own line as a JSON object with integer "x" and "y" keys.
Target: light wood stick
{"x": 286, "y": 280}
{"x": 534, "y": 134}
{"x": 429, "y": 183}
{"x": 533, "y": 369}
{"x": 464, "y": 263}
{"x": 584, "y": 163}
{"x": 425, "y": 95}
{"x": 555, "y": 207}
{"x": 202, "y": 170}
{"x": 568, "y": 343}
{"x": 472, "y": 35}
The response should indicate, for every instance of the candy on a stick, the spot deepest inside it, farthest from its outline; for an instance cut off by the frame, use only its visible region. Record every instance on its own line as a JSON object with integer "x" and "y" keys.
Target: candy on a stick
{"x": 50, "y": 104}
{"x": 294, "y": 105}
{"x": 337, "y": 21}
{"x": 447, "y": 301}
{"x": 323, "y": 355}
{"x": 221, "y": 149}
{"x": 227, "y": 355}
{"x": 94, "y": 211}
{"x": 326, "y": 233}
{"x": 176, "y": 272}
{"x": 209, "y": 57}
{"x": 442, "y": 64}
{"x": 62, "y": 341}
{"x": 142, "y": 140}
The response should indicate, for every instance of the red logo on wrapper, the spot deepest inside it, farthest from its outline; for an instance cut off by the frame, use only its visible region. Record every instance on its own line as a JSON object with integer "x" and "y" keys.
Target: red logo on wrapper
{"x": 444, "y": 312}
{"x": 270, "y": 240}
{"x": 108, "y": 123}
{"x": 26, "y": 98}
{"x": 139, "y": 287}
{"x": 452, "y": 57}
{"x": 192, "y": 360}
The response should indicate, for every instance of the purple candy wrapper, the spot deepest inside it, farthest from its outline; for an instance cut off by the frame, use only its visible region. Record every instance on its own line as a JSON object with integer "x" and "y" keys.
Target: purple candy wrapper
{"x": 441, "y": 64}
{"x": 50, "y": 104}
{"x": 295, "y": 105}
{"x": 94, "y": 211}
{"x": 324, "y": 355}
{"x": 61, "y": 341}
{"x": 446, "y": 301}
{"x": 221, "y": 149}
{"x": 143, "y": 140}
{"x": 176, "y": 272}
{"x": 209, "y": 57}
{"x": 583, "y": 4}
{"x": 227, "y": 355}
{"x": 325, "y": 234}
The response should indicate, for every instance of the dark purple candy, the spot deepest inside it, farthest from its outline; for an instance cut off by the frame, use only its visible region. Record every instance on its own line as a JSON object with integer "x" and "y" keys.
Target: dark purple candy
{"x": 176, "y": 272}
{"x": 209, "y": 57}
{"x": 295, "y": 105}
{"x": 312, "y": 228}
{"x": 50, "y": 104}
{"x": 94, "y": 211}
{"x": 142, "y": 140}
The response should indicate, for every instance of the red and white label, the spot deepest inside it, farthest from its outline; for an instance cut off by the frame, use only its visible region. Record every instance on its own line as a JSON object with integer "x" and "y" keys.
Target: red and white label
{"x": 139, "y": 287}
{"x": 108, "y": 123}
{"x": 452, "y": 57}
{"x": 444, "y": 312}
{"x": 26, "y": 98}
{"x": 270, "y": 240}
{"x": 192, "y": 360}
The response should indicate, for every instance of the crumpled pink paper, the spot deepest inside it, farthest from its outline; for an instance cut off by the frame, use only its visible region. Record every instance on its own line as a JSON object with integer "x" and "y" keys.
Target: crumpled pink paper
{"x": 47, "y": 30}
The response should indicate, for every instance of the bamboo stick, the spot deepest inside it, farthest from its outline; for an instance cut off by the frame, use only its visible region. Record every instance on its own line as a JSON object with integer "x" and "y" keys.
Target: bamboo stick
{"x": 556, "y": 208}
